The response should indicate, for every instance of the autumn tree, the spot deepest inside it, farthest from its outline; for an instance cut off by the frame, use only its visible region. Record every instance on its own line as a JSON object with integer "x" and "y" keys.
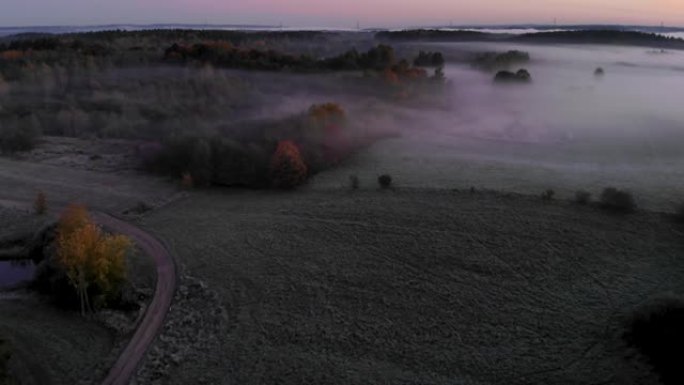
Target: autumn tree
{"x": 94, "y": 262}
{"x": 287, "y": 169}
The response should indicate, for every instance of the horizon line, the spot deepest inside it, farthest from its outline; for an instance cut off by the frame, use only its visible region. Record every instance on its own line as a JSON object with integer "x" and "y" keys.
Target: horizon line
{"x": 271, "y": 26}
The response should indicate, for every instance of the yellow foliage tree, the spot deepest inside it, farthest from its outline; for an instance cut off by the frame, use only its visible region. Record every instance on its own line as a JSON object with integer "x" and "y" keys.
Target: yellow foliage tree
{"x": 90, "y": 257}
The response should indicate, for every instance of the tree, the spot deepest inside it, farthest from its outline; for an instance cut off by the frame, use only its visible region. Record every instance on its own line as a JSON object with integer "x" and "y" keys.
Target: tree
{"x": 439, "y": 75}
{"x": 288, "y": 169}
{"x": 385, "y": 181}
{"x": 93, "y": 261}
{"x": 618, "y": 200}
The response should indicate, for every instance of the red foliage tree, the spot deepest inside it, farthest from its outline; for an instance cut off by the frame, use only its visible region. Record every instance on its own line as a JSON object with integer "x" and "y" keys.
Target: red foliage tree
{"x": 288, "y": 169}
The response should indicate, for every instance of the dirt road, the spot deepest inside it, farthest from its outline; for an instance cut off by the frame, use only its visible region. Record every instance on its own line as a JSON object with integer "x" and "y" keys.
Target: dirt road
{"x": 129, "y": 359}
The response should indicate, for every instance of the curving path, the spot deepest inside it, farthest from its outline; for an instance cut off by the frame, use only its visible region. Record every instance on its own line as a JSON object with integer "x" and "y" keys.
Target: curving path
{"x": 129, "y": 359}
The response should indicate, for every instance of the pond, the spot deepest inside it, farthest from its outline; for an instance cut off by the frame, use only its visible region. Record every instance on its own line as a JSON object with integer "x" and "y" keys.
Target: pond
{"x": 13, "y": 273}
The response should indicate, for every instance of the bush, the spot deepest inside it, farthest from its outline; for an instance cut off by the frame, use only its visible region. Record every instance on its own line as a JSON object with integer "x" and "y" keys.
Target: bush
{"x": 385, "y": 181}
{"x": 40, "y": 204}
{"x": 548, "y": 195}
{"x": 617, "y": 200}
{"x": 354, "y": 182}
{"x": 656, "y": 330}
{"x": 187, "y": 181}
{"x": 599, "y": 72}
{"x": 288, "y": 170}
{"x": 582, "y": 197}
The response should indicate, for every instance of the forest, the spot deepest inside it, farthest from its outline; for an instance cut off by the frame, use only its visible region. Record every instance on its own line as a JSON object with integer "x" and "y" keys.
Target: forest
{"x": 592, "y": 36}
{"x": 175, "y": 92}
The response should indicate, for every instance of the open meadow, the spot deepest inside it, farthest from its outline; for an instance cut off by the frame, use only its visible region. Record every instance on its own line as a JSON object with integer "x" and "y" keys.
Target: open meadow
{"x": 417, "y": 286}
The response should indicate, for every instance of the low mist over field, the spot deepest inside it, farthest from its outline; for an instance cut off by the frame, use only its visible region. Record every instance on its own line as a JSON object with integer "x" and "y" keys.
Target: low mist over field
{"x": 568, "y": 129}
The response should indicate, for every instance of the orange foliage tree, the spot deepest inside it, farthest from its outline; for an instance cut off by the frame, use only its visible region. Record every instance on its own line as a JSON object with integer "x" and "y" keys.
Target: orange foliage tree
{"x": 288, "y": 169}
{"x": 91, "y": 259}
{"x": 327, "y": 135}
{"x": 12, "y": 55}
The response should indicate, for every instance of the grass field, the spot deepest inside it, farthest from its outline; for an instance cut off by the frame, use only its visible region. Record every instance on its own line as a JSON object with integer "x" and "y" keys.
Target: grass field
{"x": 417, "y": 286}
{"x": 50, "y": 346}
{"x": 66, "y": 177}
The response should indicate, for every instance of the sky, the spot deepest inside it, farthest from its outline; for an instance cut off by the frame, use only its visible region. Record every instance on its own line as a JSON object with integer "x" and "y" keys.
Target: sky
{"x": 340, "y": 13}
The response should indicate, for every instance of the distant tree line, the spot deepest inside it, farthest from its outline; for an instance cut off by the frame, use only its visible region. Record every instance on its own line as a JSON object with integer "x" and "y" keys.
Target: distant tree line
{"x": 588, "y": 36}
{"x": 224, "y": 54}
{"x": 429, "y": 59}
{"x": 235, "y": 37}
{"x": 490, "y": 61}
{"x": 602, "y": 37}
{"x": 432, "y": 35}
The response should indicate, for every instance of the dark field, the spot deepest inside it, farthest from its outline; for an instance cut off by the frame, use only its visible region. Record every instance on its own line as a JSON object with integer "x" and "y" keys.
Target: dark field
{"x": 418, "y": 286}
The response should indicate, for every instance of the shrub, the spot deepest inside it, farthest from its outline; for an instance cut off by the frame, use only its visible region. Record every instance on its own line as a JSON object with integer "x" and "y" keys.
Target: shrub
{"x": 187, "y": 181}
{"x": 679, "y": 213}
{"x": 599, "y": 72}
{"x": 582, "y": 197}
{"x": 354, "y": 182}
{"x": 40, "y": 204}
{"x": 523, "y": 75}
{"x": 548, "y": 195}
{"x": 656, "y": 330}
{"x": 385, "y": 181}
{"x": 287, "y": 170}
{"x": 617, "y": 200}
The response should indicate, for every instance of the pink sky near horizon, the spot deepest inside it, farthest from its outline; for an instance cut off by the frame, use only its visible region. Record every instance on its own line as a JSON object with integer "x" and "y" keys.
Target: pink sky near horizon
{"x": 321, "y": 13}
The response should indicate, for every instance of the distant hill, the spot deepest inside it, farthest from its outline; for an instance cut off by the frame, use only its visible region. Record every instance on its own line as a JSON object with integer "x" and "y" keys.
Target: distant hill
{"x": 437, "y": 35}
{"x": 611, "y": 37}
{"x": 599, "y": 36}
